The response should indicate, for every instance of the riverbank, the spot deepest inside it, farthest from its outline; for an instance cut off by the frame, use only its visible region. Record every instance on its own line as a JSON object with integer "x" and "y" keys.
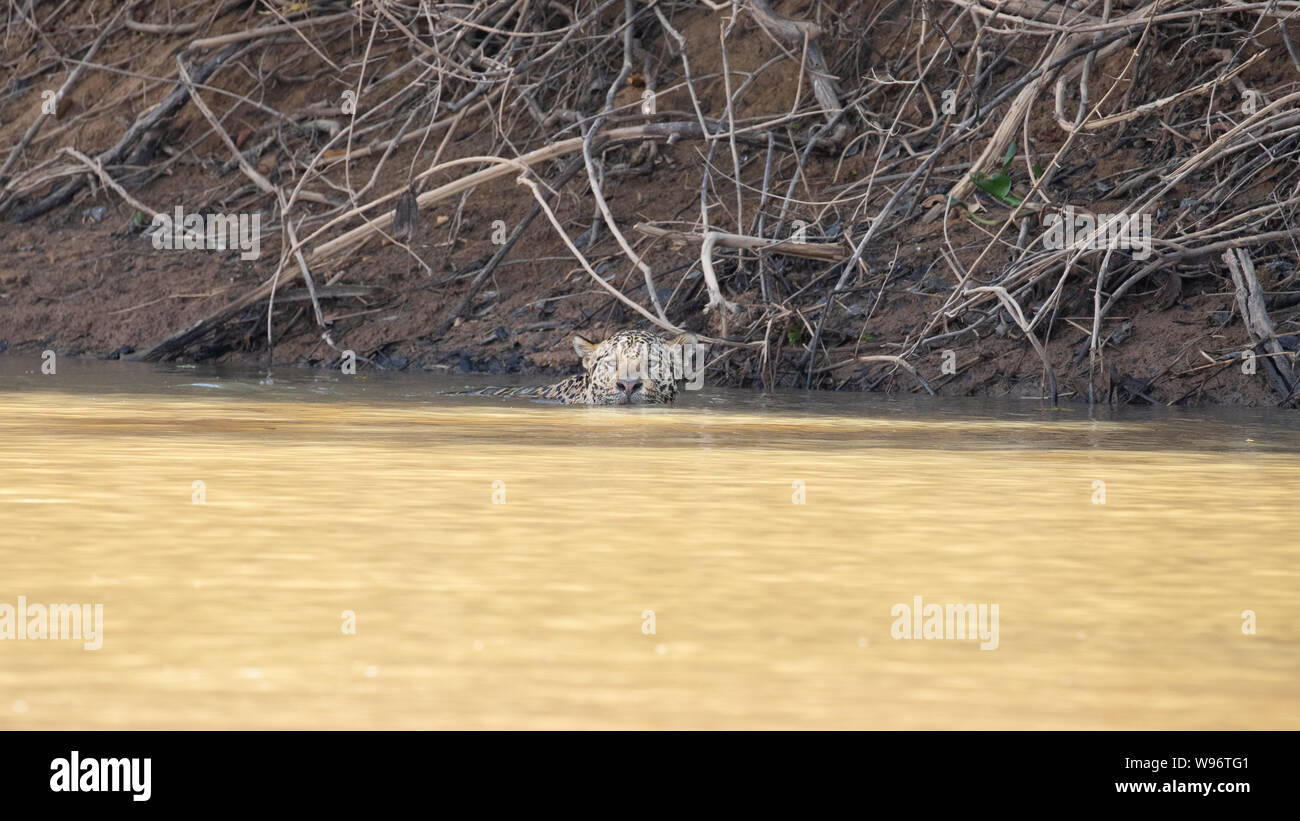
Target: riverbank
{"x": 956, "y": 289}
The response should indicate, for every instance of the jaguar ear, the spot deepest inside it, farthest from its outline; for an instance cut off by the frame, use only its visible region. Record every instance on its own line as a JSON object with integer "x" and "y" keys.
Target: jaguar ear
{"x": 688, "y": 356}
{"x": 682, "y": 340}
{"x": 685, "y": 347}
{"x": 585, "y": 348}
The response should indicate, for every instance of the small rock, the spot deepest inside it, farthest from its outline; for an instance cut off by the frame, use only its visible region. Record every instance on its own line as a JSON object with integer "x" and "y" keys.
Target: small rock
{"x": 1121, "y": 333}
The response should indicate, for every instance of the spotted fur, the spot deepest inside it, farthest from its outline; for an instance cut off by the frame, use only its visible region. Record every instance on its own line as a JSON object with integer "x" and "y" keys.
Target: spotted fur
{"x": 628, "y": 368}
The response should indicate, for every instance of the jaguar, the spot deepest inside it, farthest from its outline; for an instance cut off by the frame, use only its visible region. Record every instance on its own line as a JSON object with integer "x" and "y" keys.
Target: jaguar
{"x": 628, "y": 368}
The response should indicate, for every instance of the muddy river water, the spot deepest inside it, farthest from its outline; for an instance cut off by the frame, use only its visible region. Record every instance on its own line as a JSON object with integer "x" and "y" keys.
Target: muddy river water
{"x": 321, "y": 550}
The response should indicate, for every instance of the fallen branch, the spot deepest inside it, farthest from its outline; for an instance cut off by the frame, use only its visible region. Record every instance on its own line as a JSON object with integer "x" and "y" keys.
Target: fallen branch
{"x": 466, "y": 298}
{"x": 500, "y": 169}
{"x": 1013, "y": 308}
{"x": 1254, "y": 315}
{"x": 823, "y": 251}
{"x": 711, "y": 279}
{"x": 73, "y": 77}
{"x": 902, "y": 363}
{"x": 801, "y": 37}
{"x": 146, "y": 122}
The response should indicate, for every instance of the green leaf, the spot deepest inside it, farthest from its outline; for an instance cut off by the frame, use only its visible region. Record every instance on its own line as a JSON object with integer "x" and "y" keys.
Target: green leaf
{"x": 979, "y": 219}
{"x": 1037, "y": 171}
{"x": 999, "y": 186}
{"x": 1011, "y": 153}
{"x": 963, "y": 206}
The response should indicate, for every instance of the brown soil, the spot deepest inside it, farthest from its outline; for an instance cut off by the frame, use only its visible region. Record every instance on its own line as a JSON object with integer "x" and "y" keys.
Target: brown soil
{"x": 82, "y": 280}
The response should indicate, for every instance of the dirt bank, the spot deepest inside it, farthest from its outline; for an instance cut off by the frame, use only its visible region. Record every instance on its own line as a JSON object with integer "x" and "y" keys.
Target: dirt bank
{"x": 338, "y": 110}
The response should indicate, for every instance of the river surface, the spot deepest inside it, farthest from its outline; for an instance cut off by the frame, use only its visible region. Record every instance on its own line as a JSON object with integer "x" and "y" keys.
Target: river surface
{"x": 330, "y": 551}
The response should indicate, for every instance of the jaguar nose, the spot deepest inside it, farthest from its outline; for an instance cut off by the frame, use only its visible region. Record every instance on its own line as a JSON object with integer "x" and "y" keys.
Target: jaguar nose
{"x": 629, "y": 385}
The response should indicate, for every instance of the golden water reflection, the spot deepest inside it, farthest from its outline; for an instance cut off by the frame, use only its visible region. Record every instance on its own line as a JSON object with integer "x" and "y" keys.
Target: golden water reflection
{"x": 533, "y": 611}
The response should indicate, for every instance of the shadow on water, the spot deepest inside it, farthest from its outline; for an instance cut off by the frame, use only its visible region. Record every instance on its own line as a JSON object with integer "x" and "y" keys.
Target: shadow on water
{"x": 790, "y": 418}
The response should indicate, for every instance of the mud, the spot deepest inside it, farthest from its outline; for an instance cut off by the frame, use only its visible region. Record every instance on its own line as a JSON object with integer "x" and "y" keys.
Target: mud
{"x": 83, "y": 280}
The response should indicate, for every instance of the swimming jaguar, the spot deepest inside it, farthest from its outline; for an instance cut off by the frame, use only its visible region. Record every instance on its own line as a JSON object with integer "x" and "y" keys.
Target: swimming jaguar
{"x": 628, "y": 368}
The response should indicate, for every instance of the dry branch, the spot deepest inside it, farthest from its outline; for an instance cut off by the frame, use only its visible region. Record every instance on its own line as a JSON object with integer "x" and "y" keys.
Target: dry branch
{"x": 1139, "y": 106}
{"x": 822, "y": 251}
{"x": 1254, "y": 315}
{"x": 138, "y": 132}
{"x": 500, "y": 168}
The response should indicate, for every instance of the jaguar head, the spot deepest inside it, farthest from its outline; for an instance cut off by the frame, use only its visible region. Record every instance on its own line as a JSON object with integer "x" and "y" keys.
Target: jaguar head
{"x": 635, "y": 367}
